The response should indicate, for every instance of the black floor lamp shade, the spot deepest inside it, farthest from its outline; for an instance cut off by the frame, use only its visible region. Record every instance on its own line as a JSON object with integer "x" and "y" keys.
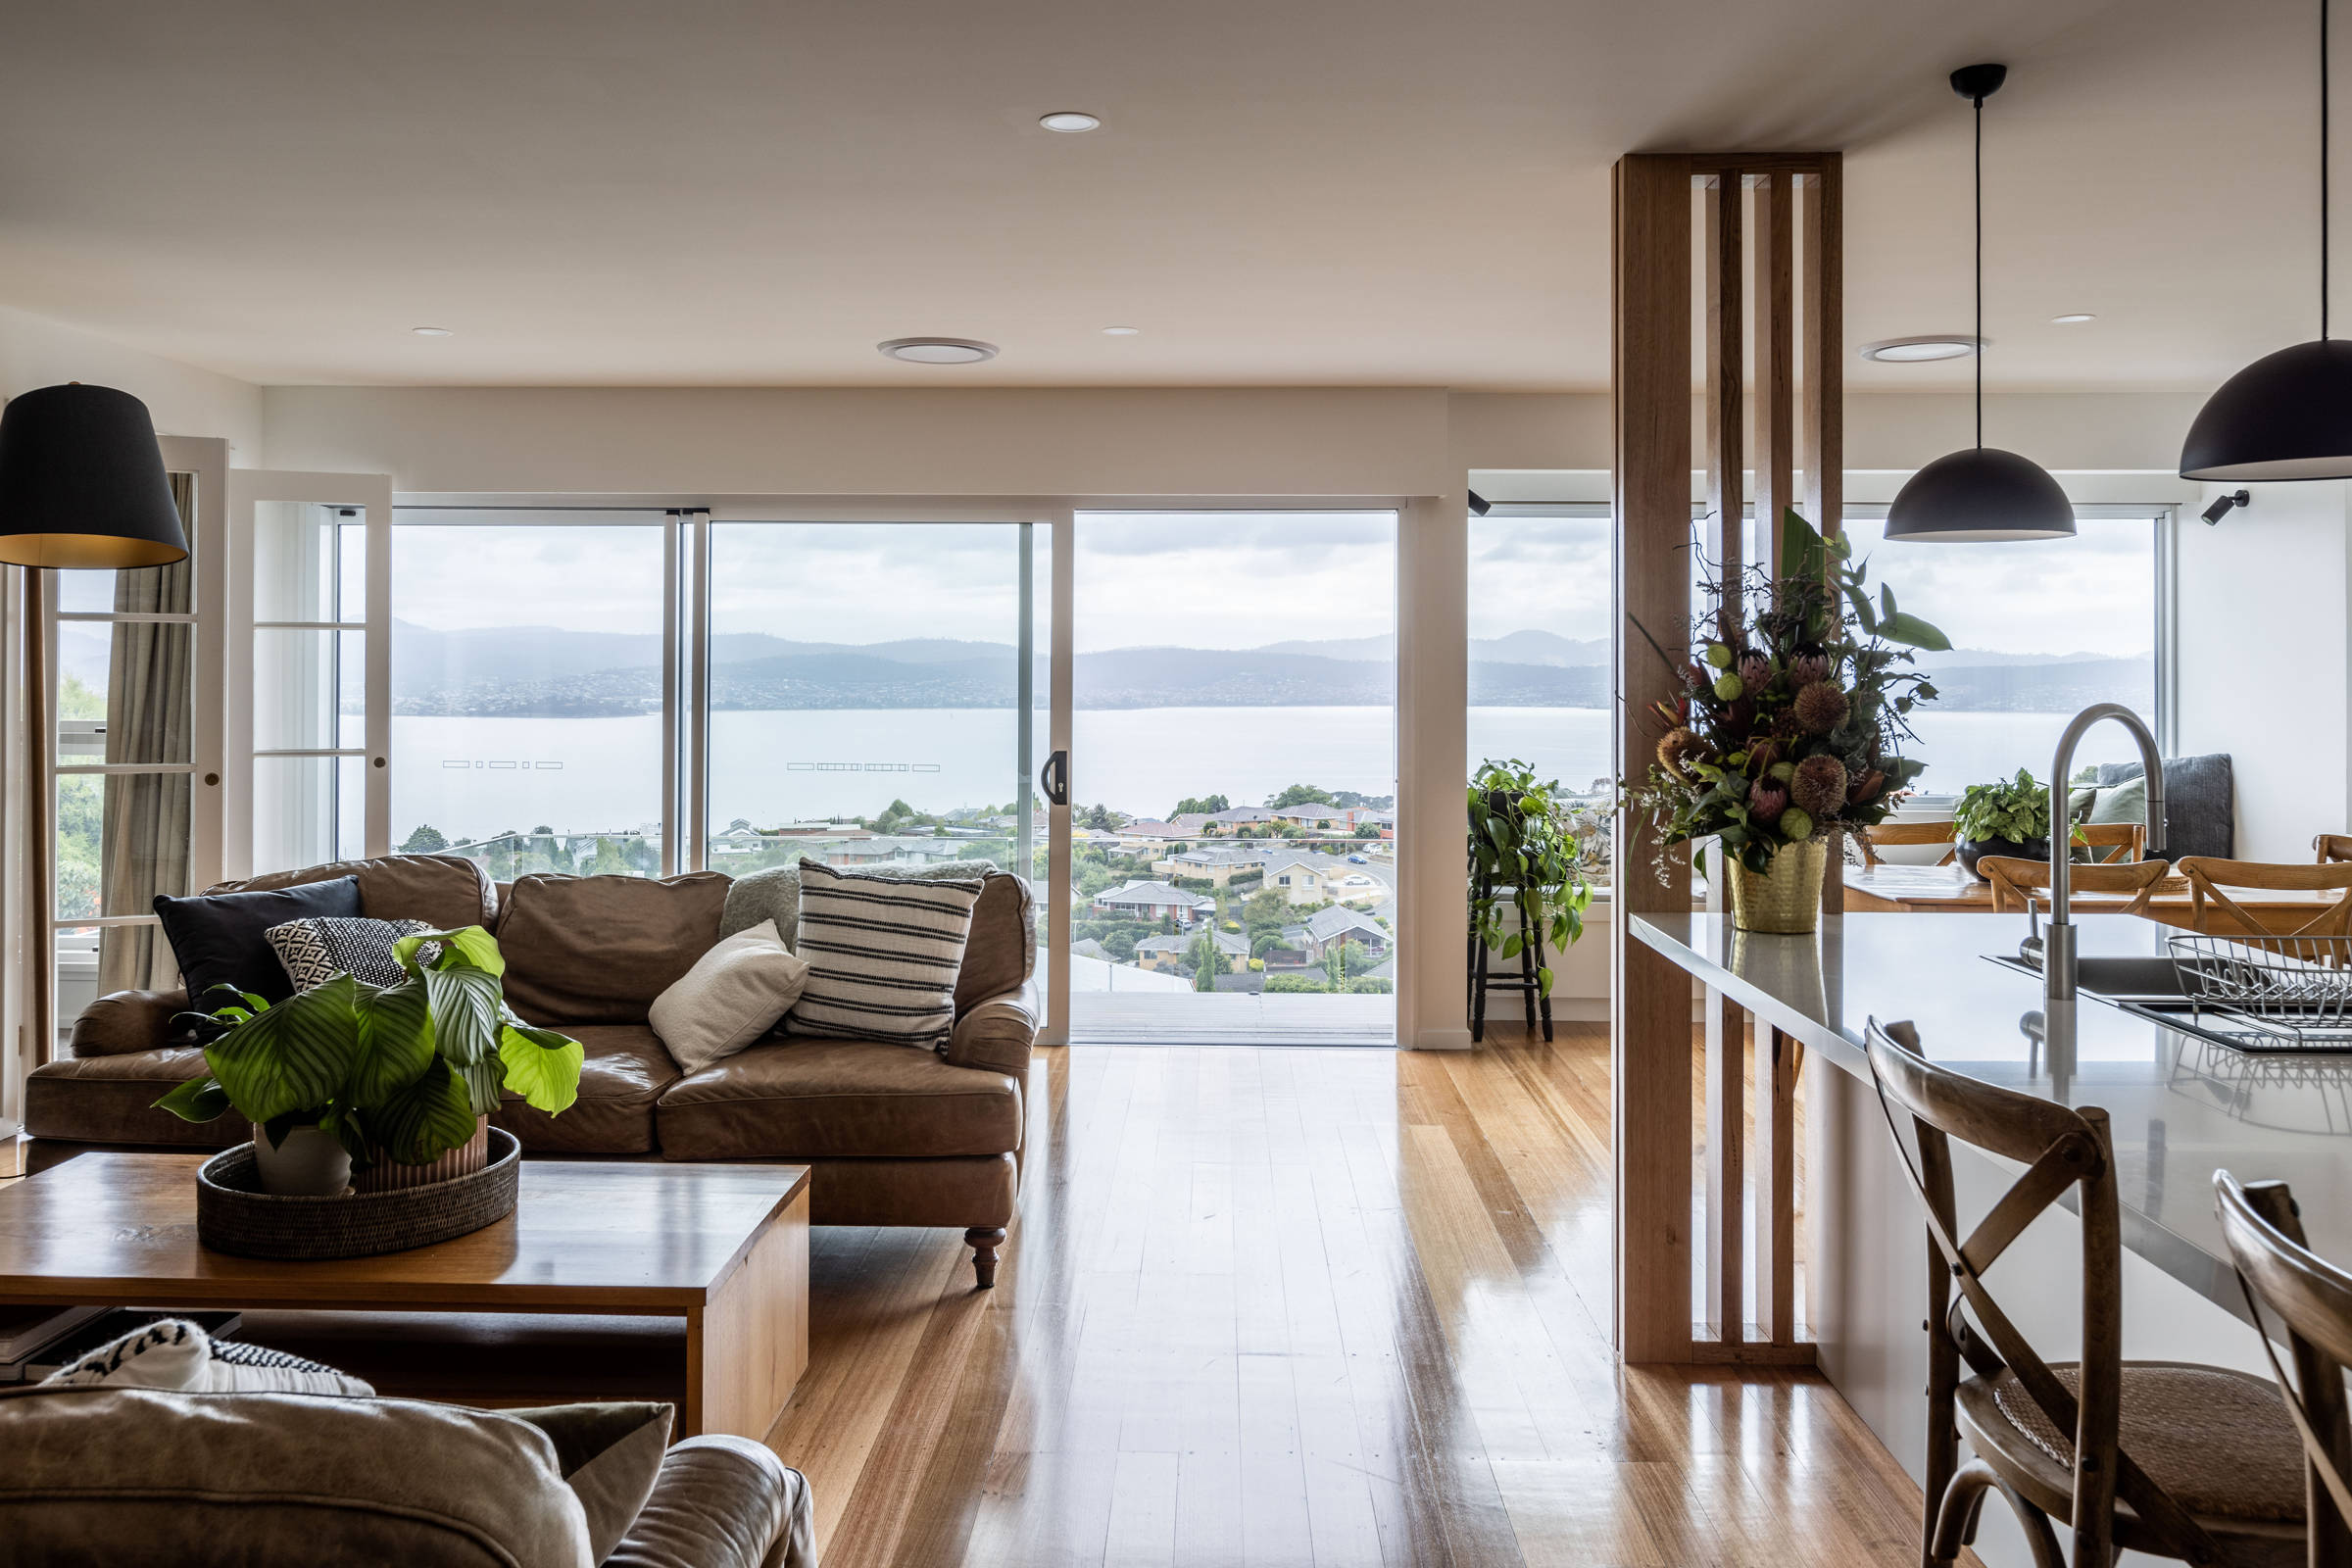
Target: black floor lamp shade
{"x": 1980, "y": 495}
{"x": 2287, "y": 416}
{"x": 82, "y": 482}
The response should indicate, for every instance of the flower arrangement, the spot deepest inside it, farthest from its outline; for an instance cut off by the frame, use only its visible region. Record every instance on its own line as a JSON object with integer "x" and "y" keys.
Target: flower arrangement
{"x": 1791, "y": 724}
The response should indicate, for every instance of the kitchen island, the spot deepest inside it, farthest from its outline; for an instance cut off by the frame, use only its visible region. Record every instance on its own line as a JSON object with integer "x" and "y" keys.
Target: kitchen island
{"x": 2181, "y": 1107}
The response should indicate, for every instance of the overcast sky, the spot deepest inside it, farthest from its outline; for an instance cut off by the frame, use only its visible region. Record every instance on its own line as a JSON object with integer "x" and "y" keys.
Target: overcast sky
{"x": 1206, "y": 580}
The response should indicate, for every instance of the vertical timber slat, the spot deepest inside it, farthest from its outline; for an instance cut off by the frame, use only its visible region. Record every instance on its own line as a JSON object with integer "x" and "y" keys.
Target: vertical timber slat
{"x": 1775, "y": 368}
{"x": 1776, "y": 1184}
{"x": 1649, "y": 998}
{"x": 1825, "y": 398}
{"x": 1723, "y": 1255}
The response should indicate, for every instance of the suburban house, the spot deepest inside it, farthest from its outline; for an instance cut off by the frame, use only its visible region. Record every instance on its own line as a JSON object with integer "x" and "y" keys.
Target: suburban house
{"x": 1238, "y": 817}
{"x": 1171, "y": 953}
{"x": 1327, "y": 929}
{"x": 1154, "y": 901}
{"x": 1146, "y": 834}
{"x": 1218, "y": 866}
{"x": 1323, "y": 879}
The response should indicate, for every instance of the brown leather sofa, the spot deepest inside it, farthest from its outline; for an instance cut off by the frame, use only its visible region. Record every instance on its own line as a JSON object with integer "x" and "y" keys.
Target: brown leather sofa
{"x": 130, "y": 1476}
{"x": 893, "y": 1135}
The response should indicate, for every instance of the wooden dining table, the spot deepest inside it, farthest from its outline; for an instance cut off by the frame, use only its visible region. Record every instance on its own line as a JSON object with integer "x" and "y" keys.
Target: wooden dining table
{"x": 1946, "y": 889}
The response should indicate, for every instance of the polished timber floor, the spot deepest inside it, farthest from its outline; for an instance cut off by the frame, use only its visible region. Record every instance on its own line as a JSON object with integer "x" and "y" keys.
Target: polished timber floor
{"x": 1309, "y": 1306}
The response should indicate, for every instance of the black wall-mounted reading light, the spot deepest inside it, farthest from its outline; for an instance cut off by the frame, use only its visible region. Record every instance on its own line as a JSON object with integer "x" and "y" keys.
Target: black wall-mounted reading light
{"x": 1479, "y": 504}
{"x": 2221, "y": 507}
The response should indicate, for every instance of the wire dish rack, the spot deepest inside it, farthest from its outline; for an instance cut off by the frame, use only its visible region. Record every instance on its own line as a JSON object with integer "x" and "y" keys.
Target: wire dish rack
{"x": 2285, "y": 993}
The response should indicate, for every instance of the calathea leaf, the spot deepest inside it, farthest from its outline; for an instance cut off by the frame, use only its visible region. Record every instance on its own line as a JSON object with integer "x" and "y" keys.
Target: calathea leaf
{"x": 197, "y": 1100}
{"x": 426, "y": 1120}
{"x": 544, "y": 1066}
{"x": 396, "y": 1040}
{"x": 465, "y": 1006}
{"x": 295, "y": 1057}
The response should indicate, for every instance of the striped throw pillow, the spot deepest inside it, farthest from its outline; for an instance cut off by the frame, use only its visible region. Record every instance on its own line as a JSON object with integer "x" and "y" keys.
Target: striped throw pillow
{"x": 883, "y": 953}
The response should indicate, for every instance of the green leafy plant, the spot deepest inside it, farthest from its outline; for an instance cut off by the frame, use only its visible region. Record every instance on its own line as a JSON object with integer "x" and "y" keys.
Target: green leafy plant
{"x": 1791, "y": 721}
{"x": 2016, "y": 809}
{"x": 397, "y": 1073}
{"x": 1526, "y": 840}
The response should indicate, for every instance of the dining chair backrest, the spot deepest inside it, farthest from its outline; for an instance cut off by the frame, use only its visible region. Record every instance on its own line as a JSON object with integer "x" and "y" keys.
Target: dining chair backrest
{"x": 2114, "y": 843}
{"x": 2065, "y": 1151}
{"x": 1883, "y": 834}
{"x": 2015, "y": 881}
{"x": 2212, "y": 911}
{"x": 2332, "y": 847}
{"x": 2313, "y": 1297}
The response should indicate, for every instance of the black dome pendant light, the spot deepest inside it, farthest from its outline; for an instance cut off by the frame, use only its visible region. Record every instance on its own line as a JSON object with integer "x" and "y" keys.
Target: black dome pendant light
{"x": 2287, "y": 416}
{"x": 1981, "y": 494}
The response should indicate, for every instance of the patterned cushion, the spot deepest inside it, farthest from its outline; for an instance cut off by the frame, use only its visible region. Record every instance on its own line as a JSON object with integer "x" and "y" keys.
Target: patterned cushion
{"x": 176, "y": 1354}
{"x": 316, "y": 949}
{"x": 883, "y": 955}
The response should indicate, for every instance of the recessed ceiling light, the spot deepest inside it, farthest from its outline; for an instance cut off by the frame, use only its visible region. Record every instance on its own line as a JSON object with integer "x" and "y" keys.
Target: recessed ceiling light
{"x": 938, "y": 350}
{"x": 2072, "y": 318}
{"x": 1913, "y": 349}
{"x": 1069, "y": 119}
{"x": 1121, "y": 331}
{"x": 432, "y": 331}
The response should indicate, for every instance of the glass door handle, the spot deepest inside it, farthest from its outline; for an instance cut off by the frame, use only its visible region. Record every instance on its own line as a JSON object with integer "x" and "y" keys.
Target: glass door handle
{"x": 1054, "y": 780}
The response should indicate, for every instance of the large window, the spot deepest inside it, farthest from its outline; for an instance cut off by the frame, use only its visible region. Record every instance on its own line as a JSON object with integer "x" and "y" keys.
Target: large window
{"x": 1540, "y": 644}
{"x": 528, "y": 682}
{"x": 2039, "y": 631}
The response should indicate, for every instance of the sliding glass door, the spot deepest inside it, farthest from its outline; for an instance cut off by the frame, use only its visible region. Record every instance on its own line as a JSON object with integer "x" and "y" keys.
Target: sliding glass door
{"x": 1233, "y": 776}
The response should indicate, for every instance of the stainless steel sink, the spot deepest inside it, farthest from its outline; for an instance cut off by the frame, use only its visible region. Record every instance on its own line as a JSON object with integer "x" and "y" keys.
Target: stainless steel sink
{"x": 2113, "y": 979}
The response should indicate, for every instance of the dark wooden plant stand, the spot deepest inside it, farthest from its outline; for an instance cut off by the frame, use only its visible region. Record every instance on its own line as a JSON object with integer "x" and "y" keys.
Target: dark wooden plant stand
{"x": 1531, "y": 959}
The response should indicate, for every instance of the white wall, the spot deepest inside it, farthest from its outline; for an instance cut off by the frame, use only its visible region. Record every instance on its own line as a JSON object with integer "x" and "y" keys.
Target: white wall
{"x": 184, "y": 400}
{"x": 2263, "y": 644}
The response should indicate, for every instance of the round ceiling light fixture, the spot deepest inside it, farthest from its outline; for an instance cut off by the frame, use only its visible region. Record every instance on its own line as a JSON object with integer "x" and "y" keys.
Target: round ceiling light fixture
{"x": 432, "y": 331}
{"x": 1070, "y": 120}
{"x": 1122, "y": 331}
{"x": 1919, "y": 350}
{"x": 2072, "y": 318}
{"x": 938, "y": 350}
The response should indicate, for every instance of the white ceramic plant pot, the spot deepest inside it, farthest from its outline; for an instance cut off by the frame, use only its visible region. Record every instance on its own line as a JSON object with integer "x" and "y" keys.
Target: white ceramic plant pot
{"x": 309, "y": 1163}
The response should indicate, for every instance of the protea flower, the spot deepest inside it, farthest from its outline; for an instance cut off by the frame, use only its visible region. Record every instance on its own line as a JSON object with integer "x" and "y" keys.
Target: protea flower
{"x": 1677, "y": 749}
{"x": 1820, "y": 706}
{"x": 1819, "y": 787}
{"x": 1755, "y": 671}
{"x": 1766, "y": 800}
{"x": 1807, "y": 668}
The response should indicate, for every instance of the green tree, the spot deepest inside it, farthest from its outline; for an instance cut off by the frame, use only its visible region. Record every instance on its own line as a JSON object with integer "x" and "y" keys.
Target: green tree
{"x": 1299, "y": 794}
{"x": 1098, "y": 817}
{"x": 1367, "y": 830}
{"x": 1206, "y": 804}
{"x": 426, "y": 840}
{"x": 76, "y": 699}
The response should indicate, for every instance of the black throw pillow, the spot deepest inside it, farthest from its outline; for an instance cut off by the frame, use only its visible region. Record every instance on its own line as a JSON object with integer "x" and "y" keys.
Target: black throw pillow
{"x": 223, "y": 938}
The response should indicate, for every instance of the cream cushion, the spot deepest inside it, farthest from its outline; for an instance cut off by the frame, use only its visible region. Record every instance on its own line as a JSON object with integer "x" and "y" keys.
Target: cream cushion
{"x": 732, "y": 995}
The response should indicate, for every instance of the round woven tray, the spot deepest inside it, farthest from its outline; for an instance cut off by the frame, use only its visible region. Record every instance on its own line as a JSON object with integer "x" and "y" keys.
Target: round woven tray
{"x": 234, "y": 1216}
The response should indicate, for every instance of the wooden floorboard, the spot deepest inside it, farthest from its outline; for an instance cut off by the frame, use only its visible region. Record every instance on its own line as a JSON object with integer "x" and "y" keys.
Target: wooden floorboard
{"x": 1306, "y": 1306}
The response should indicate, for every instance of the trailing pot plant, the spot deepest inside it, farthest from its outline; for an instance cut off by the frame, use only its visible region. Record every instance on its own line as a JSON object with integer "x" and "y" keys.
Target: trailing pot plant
{"x": 1790, "y": 724}
{"x": 400, "y": 1073}
{"x": 1524, "y": 839}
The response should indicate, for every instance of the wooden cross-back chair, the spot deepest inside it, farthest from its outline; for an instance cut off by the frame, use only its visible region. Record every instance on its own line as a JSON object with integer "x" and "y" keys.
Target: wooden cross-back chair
{"x": 2014, "y": 881}
{"x": 2196, "y": 1472}
{"x": 2213, "y": 912}
{"x": 2113, "y": 843}
{"x": 2313, "y": 1297}
{"x": 1880, "y": 835}
{"x": 2332, "y": 847}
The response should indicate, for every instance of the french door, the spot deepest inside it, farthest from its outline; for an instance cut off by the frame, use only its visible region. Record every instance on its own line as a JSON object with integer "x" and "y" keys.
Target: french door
{"x": 310, "y": 669}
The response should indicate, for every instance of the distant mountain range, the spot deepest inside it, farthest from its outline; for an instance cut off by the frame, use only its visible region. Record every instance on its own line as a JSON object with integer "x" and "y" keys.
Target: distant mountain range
{"x": 538, "y": 672}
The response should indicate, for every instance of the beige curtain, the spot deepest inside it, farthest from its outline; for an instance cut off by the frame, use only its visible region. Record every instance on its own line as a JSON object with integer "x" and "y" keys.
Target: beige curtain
{"x": 144, "y": 838}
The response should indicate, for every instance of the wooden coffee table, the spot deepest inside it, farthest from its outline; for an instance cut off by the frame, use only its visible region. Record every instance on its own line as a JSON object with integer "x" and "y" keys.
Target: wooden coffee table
{"x": 723, "y": 1247}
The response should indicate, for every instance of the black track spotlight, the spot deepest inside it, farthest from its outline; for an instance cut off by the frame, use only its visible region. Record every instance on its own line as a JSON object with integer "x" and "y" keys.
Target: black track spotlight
{"x": 2221, "y": 507}
{"x": 1479, "y": 504}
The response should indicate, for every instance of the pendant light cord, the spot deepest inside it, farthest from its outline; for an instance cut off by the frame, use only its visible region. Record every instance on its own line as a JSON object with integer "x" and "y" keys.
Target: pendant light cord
{"x": 1981, "y": 273}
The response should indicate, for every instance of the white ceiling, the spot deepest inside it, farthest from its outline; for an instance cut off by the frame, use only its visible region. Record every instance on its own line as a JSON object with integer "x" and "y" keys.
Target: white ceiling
{"x": 1369, "y": 192}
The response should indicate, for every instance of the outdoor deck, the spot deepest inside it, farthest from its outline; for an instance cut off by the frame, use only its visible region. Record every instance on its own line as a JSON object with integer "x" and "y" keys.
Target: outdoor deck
{"x": 1227, "y": 1018}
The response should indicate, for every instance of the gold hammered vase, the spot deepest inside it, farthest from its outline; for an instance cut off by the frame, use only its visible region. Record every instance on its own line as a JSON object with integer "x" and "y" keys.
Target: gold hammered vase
{"x": 1784, "y": 900}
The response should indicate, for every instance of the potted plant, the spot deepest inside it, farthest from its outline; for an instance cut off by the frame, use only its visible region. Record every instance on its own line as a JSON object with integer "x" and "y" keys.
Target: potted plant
{"x": 383, "y": 1076}
{"x": 2008, "y": 817}
{"x": 1789, "y": 725}
{"x": 1526, "y": 852}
